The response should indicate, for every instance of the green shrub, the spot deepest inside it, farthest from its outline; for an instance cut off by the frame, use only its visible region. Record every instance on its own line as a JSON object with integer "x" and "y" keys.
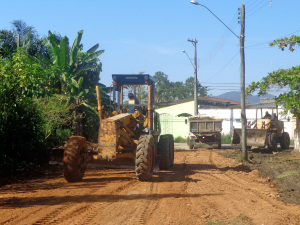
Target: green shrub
{"x": 226, "y": 138}
{"x": 180, "y": 139}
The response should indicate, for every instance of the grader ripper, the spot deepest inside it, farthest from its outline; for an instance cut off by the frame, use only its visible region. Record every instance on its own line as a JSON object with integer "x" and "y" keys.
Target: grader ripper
{"x": 130, "y": 137}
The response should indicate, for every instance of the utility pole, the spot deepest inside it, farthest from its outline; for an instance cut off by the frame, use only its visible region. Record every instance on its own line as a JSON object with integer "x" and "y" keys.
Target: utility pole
{"x": 243, "y": 111}
{"x": 18, "y": 40}
{"x": 194, "y": 42}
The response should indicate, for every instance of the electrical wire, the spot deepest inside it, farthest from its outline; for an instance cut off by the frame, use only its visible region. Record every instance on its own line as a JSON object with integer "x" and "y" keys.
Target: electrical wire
{"x": 223, "y": 67}
{"x": 251, "y": 46}
{"x": 252, "y": 13}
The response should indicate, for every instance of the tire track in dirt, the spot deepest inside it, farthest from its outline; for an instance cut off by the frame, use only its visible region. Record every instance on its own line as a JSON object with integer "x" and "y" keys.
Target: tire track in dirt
{"x": 88, "y": 216}
{"x": 208, "y": 207}
{"x": 239, "y": 182}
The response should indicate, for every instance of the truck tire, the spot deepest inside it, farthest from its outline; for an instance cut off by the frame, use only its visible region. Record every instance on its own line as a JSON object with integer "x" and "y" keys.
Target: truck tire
{"x": 75, "y": 159}
{"x": 171, "y": 146}
{"x": 285, "y": 141}
{"x": 273, "y": 142}
{"x": 172, "y": 150}
{"x": 165, "y": 152}
{"x": 219, "y": 145}
{"x": 144, "y": 158}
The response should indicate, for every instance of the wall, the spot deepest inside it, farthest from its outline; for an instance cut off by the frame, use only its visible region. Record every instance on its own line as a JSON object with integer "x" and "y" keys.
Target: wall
{"x": 297, "y": 140}
{"x": 171, "y": 123}
{"x": 231, "y": 118}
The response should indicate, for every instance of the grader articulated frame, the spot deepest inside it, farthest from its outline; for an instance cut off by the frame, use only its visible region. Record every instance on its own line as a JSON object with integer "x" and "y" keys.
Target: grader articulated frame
{"x": 130, "y": 137}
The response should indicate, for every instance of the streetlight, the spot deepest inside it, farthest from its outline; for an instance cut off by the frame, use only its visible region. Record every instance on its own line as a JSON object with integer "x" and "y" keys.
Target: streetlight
{"x": 242, "y": 40}
{"x": 194, "y": 42}
{"x": 188, "y": 57}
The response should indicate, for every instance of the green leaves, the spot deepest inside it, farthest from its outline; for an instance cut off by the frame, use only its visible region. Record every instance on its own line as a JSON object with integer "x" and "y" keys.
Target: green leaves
{"x": 290, "y": 79}
{"x": 289, "y": 42}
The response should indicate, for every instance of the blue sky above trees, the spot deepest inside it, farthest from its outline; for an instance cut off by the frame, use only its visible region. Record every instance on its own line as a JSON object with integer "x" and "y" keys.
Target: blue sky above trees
{"x": 149, "y": 36}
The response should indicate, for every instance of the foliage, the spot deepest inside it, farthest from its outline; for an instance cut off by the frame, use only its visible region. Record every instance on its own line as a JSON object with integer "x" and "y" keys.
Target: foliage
{"x": 44, "y": 87}
{"x": 189, "y": 86}
{"x": 21, "y": 124}
{"x": 8, "y": 44}
{"x": 288, "y": 174}
{"x": 70, "y": 67}
{"x": 162, "y": 87}
{"x": 180, "y": 139}
{"x": 70, "y": 63}
{"x": 29, "y": 40}
{"x": 57, "y": 119}
{"x": 282, "y": 78}
{"x": 289, "y": 42}
{"x": 226, "y": 138}
{"x": 166, "y": 90}
{"x": 21, "y": 78}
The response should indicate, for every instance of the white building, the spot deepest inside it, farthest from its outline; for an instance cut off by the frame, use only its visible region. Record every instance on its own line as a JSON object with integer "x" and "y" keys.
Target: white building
{"x": 174, "y": 117}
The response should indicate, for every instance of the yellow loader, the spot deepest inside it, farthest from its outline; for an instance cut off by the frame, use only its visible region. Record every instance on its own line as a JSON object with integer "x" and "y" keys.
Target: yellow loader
{"x": 266, "y": 132}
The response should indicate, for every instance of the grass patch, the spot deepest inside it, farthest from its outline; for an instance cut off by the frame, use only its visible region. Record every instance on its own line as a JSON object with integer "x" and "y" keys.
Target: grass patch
{"x": 180, "y": 139}
{"x": 288, "y": 174}
{"x": 226, "y": 138}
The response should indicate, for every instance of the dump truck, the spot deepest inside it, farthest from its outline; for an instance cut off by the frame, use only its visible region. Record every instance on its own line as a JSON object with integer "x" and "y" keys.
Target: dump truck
{"x": 264, "y": 133}
{"x": 130, "y": 136}
{"x": 204, "y": 130}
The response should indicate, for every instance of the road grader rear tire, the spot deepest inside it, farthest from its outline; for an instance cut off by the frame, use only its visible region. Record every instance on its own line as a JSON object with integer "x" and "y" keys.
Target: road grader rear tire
{"x": 75, "y": 159}
{"x": 166, "y": 151}
{"x": 144, "y": 158}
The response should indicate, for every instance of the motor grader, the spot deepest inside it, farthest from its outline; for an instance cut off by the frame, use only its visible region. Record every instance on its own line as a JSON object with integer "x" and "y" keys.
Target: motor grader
{"x": 265, "y": 132}
{"x": 131, "y": 136}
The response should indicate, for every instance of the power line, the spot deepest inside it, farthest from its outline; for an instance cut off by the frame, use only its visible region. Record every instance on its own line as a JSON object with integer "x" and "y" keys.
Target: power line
{"x": 251, "y": 46}
{"x": 223, "y": 67}
{"x": 256, "y": 10}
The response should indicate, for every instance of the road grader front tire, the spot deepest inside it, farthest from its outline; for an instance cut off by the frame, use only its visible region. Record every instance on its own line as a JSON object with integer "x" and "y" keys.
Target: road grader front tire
{"x": 75, "y": 159}
{"x": 144, "y": 158}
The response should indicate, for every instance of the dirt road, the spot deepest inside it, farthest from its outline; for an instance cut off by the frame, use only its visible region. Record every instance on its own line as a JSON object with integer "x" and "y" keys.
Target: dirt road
{"x": 203, "y": 187}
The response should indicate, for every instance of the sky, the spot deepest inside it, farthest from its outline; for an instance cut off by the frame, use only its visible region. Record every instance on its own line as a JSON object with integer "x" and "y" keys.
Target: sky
{"x": 149, "y": 35}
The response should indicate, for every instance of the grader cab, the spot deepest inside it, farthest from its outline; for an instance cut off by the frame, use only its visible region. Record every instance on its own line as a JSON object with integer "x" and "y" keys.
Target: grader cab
{"x": 130, "y": 137}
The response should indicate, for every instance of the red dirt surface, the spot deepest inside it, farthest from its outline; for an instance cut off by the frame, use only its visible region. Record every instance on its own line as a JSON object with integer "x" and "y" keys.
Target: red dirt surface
{"x": 203, "y": 187}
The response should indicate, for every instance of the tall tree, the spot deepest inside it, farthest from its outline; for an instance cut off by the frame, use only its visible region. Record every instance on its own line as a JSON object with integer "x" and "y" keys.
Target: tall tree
{"x": 162, "y": 87}
{"x": 8, "y": 43}
{"x": 282, "y": 78}
{"x": 189, "y": 84}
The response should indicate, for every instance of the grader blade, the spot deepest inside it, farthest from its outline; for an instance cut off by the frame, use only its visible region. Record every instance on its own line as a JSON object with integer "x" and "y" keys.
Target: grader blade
{"x": 255, "y": 137}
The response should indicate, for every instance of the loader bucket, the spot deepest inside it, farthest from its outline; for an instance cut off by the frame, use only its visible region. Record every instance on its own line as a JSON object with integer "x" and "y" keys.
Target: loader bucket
{"x": 255, "y": 137}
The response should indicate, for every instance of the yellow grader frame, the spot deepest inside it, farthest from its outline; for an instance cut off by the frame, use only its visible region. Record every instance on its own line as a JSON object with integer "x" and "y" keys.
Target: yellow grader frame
{"x": 264, "y": 133}
{"x": 130, "y": 137}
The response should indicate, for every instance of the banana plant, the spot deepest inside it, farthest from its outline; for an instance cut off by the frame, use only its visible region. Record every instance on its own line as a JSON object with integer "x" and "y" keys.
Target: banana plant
{"x": 70, "y": 63}
{"x": 69, "y": 66}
